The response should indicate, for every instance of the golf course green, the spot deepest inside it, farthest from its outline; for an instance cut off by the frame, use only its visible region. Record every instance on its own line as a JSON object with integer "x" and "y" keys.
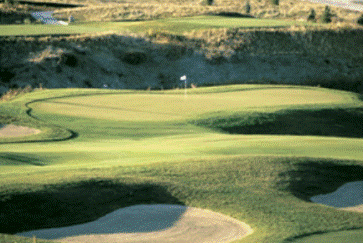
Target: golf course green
{"x": 256, "y": 153}
{"x": 172, "y": 25}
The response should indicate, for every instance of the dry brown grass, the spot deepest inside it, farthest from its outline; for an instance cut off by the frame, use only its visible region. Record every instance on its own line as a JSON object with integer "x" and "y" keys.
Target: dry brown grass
{"x": 13, "y": 93}
{"x": 153, "y": 9}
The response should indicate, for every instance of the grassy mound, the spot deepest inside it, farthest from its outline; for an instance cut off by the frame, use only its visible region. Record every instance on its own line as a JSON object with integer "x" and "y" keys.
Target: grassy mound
{"x": 137, "y": 147}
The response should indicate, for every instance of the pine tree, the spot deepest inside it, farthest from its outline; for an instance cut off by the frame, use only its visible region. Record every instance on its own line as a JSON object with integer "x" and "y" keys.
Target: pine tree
{"x": 360, "y": 20}
{"x": 312, "y": 15}
{"x": 248, "y": 7}
{"x": 326, "y": 18}
{"x": 275, "y": 2}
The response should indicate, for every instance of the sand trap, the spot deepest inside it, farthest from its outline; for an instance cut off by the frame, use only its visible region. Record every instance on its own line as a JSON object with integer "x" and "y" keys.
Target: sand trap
{"x": 347, "y": 197}
{"x": 152, "y": 223}
{"x": 16, "y": 131}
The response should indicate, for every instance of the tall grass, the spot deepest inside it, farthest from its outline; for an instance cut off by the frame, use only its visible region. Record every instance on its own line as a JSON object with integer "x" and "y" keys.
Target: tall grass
{"x": 143, "y": 10}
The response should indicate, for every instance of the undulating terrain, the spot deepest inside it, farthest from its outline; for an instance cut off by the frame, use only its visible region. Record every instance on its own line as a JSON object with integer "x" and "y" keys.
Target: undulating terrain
{"x": 118, "y": 128}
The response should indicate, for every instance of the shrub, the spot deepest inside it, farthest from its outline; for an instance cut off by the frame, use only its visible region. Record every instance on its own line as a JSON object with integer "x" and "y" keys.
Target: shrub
{"x": 68, "y": 59}
{"x": 27, "y": 21}
{"x": 174, "y": 52}
{"x": 9, "y": 2}
{"x": 326, "y": 18}
{"x": 248, "y": 7}
{"x": 312, "y": 15}
{"x": 134, "y": 57}
{"x": 275, "y": 2}
{"x": 15, "y": 91}
{"x": 6, "y": 75}
{"x": 360, "y": 20}
{"x": 207, "y": 2}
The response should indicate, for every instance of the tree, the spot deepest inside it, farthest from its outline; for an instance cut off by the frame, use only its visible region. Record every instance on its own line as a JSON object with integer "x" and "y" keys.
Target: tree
{"x": 312, "y": 15}
{"x": 207, "y": 2}
{"x": 360, "y": 20}
{"x": 326, "y": 18}
{"x": 248, "y": 7}
{"x": 275, "y": 2}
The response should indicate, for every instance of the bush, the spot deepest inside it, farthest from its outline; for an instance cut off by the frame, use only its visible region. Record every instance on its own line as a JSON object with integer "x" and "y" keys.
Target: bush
{"x": 134, "y": 57}
{"x": 275, "y": 2}
{"x": 68, "y": 59}
{"x": 9, "y": 2}
{"x": 326, "y": 18}
{"x": 248, "y": 7}
{"x": 312, "y": 15}
{"x": 27, "y": 21}
{"x": 360, "y": 20}
{"x": 6, "y": 75}
{"x": 207, "y": 2}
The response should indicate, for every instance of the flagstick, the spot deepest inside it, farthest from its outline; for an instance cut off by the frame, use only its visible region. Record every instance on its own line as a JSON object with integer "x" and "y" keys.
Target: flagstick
{"x": 184, "y": 78}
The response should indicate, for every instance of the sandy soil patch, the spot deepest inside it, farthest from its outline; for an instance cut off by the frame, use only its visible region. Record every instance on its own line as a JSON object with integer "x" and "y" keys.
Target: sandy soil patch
{"x": 16, "y": 131}
{"x": 152, "y": 223}
{"x": 347, "y": 197}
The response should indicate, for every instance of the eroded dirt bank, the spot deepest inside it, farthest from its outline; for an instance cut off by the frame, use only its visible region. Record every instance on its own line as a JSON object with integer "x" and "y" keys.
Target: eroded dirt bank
{"x": 300, "y": 56}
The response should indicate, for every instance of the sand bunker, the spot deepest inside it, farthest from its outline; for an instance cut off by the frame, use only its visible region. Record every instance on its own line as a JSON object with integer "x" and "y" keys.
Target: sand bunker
{"x": 16, "y": 131}
{"x": 152, "y": 223}
{"x": 347, "y": 197}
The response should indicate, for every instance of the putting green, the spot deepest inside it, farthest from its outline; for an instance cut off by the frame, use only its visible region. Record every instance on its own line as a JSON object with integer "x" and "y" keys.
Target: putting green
{"x": 163, "y": 107}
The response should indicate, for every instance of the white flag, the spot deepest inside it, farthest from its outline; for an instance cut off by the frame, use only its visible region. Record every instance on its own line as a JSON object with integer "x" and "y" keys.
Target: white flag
{"x": 183, "y": 78}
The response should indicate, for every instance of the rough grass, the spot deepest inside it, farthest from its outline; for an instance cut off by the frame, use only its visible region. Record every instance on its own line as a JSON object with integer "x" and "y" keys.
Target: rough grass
{"x": 263, "y": 180}
{"x": 141, "y": 10}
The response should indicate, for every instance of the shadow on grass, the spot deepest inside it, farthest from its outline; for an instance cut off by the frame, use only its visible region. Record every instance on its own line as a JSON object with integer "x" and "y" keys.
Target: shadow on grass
{"x": 314, "y": 177}
{"x": 17, "y": 159}
{"x": 325, "y": 122}
{"x": 233, "y": 15}
{"x": 66, "y": 205}
{"x": 351, "y": 236}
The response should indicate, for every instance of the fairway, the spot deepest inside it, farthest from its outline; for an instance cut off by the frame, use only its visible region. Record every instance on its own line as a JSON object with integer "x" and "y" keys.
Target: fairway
{"x": 201, "y": 149}
{"x": 351, "y": 236}
{"x": 172, "y": 25}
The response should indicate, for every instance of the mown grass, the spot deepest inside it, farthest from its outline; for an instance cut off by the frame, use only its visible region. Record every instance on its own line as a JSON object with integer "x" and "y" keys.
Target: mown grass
{"x": 172, "y": 25}
{"x": 40, "y": 29}
{"x": 264, "y": 180}
{"x": 351, "y": 236}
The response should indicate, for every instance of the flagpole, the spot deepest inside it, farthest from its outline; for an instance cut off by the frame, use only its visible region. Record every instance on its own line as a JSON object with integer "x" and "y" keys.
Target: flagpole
{"x": 184, "y": 78}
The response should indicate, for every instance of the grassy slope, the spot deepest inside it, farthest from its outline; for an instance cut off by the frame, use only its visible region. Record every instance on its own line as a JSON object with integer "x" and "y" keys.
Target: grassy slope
{"x": 258, "y": 179}
{"x": 173, "y": 25}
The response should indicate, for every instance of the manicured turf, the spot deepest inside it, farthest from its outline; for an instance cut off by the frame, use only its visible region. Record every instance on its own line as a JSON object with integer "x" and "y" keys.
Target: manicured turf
{"x": 351, "y": 236}
{"x": 166, "y": 147}
{"x": 173, "y": 25}
{"x": 26, "y": 30}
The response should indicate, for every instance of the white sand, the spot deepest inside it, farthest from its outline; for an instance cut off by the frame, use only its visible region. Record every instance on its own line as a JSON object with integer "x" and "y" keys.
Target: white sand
{"x": 152, "y": 223}
{"x": 16, "y": 131}
{"x": 347, "y": 197}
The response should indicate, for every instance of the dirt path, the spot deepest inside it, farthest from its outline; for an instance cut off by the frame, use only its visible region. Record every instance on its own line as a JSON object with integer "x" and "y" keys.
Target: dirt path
{"x": 152, "y": 223}
{"x": 16, "y": 131}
